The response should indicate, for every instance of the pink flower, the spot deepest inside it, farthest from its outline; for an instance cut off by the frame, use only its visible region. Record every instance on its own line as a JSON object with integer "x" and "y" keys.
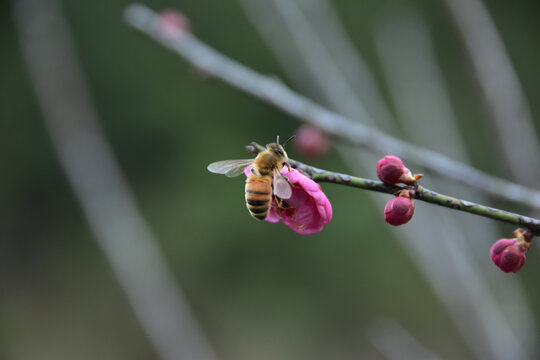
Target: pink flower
{"x": 391, "y": 170}
{"x": 398, "y": 210}
{"x": 306, "y": 211}
{"x": 509, "y": 254}
{"x": 311, "y": 141}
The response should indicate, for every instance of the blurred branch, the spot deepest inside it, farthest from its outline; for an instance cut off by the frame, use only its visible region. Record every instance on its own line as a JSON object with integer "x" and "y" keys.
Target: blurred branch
{"x": 501, "y": 88}
{"x": 416, "y": 82}
{"x": 330, "y": 80}
{"x": 98, "y": 184}
{"x": 394, "y": 342}
{"x": 326, "y": 25}
{"x": 429, "y": 196}
{"x": 274, "y": 92}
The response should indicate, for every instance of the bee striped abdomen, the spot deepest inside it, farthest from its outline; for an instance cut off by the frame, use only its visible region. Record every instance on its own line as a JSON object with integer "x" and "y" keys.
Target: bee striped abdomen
{"x": 258, "y": 195}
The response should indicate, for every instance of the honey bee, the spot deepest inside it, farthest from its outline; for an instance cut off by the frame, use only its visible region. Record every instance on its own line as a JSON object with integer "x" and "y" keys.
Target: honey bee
{"x": 265, "y": 179}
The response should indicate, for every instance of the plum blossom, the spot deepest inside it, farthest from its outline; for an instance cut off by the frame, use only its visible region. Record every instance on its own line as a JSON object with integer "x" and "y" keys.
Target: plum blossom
{"x": 308, "y": 209}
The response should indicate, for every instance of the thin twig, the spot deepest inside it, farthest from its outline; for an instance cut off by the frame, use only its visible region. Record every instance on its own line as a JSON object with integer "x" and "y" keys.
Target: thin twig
{"x": 274, "y": 92}
{"x": 98, "y": 184}
{"x": 423, "y": 194}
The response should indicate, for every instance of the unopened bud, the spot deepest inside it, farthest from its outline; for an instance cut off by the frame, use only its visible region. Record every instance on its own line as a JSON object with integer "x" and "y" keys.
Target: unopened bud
{"x": 509, "y": 254}
{"x": 399, "y": 210}
{"x": 391, "y": 170}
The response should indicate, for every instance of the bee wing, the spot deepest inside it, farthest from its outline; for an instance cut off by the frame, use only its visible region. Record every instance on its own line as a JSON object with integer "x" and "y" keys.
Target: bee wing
{"x": 230, "y": 168}
{"x": 282, "y": 188}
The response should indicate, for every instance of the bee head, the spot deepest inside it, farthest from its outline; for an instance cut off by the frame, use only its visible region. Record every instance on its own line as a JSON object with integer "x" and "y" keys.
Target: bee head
{"x": 277, "y": 149}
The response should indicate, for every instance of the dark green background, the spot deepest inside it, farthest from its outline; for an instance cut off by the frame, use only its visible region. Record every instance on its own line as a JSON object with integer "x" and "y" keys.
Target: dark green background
{"x": 259, "y": 290}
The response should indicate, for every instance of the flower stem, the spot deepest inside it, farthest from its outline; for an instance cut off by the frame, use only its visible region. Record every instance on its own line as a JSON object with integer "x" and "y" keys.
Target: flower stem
{"x": 421, "y": 193}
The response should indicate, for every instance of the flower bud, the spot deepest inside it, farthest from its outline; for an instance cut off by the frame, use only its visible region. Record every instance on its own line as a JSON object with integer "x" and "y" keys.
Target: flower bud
{"x": 311, "y": 141}
{"x": 398, "y": 210}
{"x": 509, "y": 254}
{"x": 391, "y": 170}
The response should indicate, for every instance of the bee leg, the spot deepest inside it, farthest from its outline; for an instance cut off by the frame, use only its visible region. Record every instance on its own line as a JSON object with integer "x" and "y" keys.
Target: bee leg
{"x": 287, "y": 165}
{"x": 281, "y": 203}
{"x": 288, "y": 168}
{"x": 289, "y": 181}
{"x": 255, "y": 172}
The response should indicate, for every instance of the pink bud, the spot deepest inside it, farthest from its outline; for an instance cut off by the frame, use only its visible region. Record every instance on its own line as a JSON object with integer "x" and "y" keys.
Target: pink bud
{"x": 173, "y": 23}
{"x": 311, "y": 141}
{"x": 391, "y": 170}
{"x": 398, "y": 210}
{"x": 509, "y": 254}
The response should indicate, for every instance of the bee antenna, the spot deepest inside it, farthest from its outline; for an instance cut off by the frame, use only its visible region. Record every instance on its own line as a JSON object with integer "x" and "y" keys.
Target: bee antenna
{"x": 277, "y": 141}
{"x": 289, "y": 139}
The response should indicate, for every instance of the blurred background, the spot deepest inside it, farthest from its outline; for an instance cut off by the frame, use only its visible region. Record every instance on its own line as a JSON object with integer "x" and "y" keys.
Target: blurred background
{"x": 359, "y": 289}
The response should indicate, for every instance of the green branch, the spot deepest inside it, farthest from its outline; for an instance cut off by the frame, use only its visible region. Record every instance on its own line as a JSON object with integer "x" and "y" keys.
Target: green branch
{"x": 274, "y": 92}
{"x": 421, "y": 193}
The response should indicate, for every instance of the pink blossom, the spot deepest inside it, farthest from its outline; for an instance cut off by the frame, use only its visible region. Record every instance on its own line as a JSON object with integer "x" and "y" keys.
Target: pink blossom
{"x": 508, "y": 254}
{"x": 306, "y": 211}
{"x": 391, "y": 170}
{"x": 398, "y": 210}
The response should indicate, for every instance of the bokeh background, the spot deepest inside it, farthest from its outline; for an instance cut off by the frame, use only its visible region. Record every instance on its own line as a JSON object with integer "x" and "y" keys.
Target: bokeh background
{"x": 259, "y": 291}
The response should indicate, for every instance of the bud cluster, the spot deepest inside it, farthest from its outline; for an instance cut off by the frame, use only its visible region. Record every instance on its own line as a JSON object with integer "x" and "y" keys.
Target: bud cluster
{"x": 391, "y": 171}
{"x": 507, "y": 254}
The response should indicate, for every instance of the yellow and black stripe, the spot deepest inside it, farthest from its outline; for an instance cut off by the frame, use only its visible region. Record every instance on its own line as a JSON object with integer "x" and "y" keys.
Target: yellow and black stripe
{"x": 258, "y": 195}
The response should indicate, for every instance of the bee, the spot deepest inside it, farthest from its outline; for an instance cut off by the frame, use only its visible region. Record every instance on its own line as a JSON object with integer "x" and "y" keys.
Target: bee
{"x": 265, "y": 179}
